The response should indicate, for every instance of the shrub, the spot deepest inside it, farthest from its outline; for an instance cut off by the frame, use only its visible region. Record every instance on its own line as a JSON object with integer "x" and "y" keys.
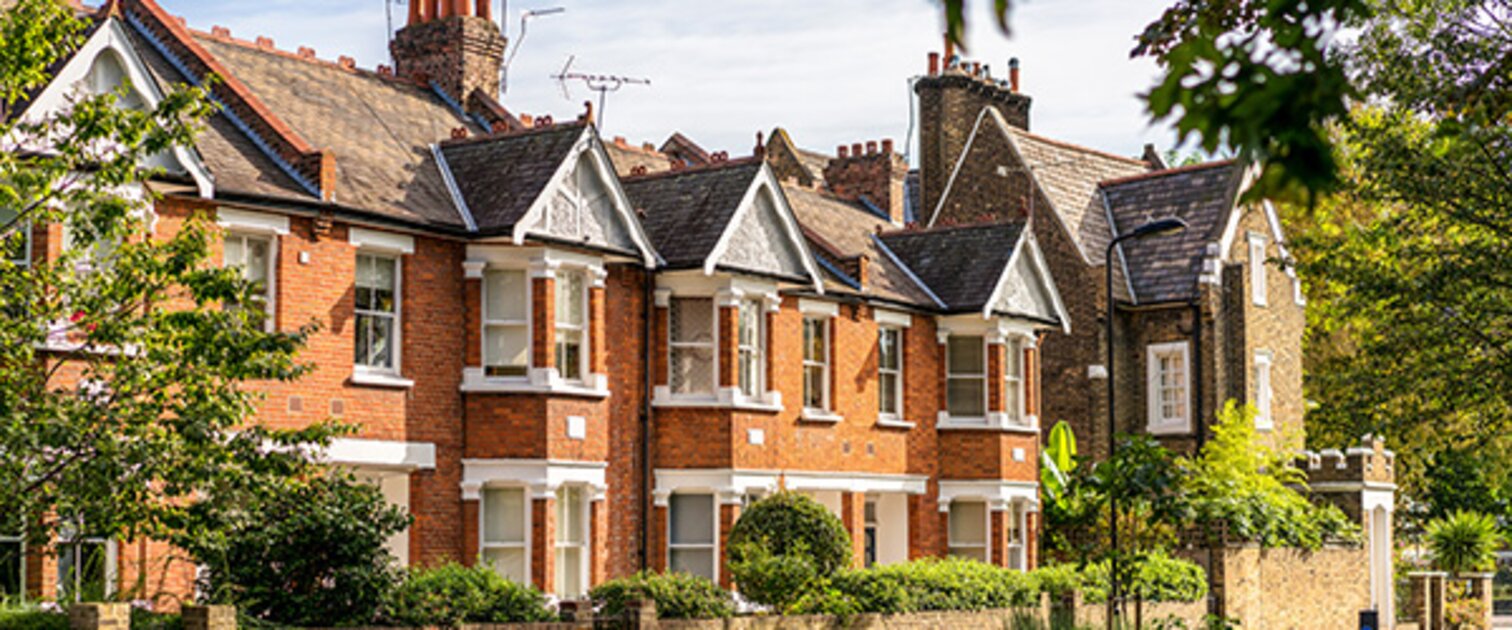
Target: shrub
{"x": 930, "y": 584}
{"x": 677, "y": 596}
{"x": 451, "y": 594}
{"x": 782, "y": 545}
{"x": 1057, "y": 579}
{"x": 1464, "y": 542}
{"x": 31, "y": 618}
{"x": 143, "y": 619}
{"x": 1154, "y": 577}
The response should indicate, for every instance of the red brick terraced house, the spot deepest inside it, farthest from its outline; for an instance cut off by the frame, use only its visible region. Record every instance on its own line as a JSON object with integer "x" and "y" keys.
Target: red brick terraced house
{"x": 572, "y": 359}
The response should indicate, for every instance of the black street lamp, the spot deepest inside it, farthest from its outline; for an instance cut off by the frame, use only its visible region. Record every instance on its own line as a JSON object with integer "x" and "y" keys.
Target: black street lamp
{"x": 1154, "y": 228}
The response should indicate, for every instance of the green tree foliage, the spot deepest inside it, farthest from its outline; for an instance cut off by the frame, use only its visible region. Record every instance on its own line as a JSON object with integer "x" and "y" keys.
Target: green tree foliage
{"x": 451, "y": 595}
{"x": 677, "y": 596}
{"x": 122, "y": 412}
{"x": 308, "y": 553}
{"x": 782, "y": 544}
{"x": 1155, "y": 576}
{"x": 1464, "y": 542}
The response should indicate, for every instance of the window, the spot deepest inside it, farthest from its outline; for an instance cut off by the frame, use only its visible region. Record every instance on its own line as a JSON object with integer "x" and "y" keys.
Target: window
{"x": 890, "y": 372}
{"x": 690, "y": 546}
{"x": 1016, "y": 527}
{"x": 12, "y": 559}
{"x": 690, "y": 346}
{"x": 968, "y": 530}
{"x": 1168, "y": 386}
{"x": 1263, "y": 418}
{"x": 17, "y": 247}
{"x": 1257, "y": 269}
{"x": 504, "y": 541}
{"x": 966, "y": 377}
{"x": 816, "y": 363}
{"x": 571, "y": 324}
{"x": 85, "y": 568}
{"x": 253, "y": 255}
{"x": 1013, "y": 381}
{"x": 506, "y": 323}
{"x": 377, "y": 312}
{"x": 752, "y": 339}
{"x": 869, "y": 552}
{"x": 571, "y": 541}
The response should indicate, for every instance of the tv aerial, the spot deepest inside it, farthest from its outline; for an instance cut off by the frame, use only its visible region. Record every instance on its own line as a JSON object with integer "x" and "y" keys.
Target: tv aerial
{"x": 601, "y": 83}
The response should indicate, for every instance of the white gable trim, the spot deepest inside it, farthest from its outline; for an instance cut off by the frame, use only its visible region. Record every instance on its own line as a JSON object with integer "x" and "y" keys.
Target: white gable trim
{"x": 1037, "y": 261}
{"x": 111, "y": 36}
{"x": 588, "y": 142}
{"x": 1236, "y": 210}
{"x": 766, "y": 181}
{"x": 458, "y": 201}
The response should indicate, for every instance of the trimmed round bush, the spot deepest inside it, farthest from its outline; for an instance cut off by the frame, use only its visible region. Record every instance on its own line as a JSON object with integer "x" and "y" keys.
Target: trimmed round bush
{"x": 783, "y": 545}
{"x": 451, "y": 595}
{"x": 677, "y": 596}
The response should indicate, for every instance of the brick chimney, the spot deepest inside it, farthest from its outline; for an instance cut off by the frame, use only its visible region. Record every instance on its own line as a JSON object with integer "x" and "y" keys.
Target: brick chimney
{"x": 452, "y": 43}
{"x": 875, "y": 173}
{"x": 951, "y": 96}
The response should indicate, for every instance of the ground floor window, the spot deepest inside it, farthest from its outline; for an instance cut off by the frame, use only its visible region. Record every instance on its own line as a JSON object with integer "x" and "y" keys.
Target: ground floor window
{"x": 571, "y": 542}
{"x": 504, "y": 543}
{"x": 691, "y": 525}
{"x": 12, "y": 567}
{"x": 1016, "y": 530}
{"x": 968, "y": 530}
{"x": 84, "y": 569}
{"x": 870, "y": 553}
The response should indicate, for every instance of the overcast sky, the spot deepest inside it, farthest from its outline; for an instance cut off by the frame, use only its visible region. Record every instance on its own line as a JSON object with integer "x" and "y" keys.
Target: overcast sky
{"x": 830, "y": 71}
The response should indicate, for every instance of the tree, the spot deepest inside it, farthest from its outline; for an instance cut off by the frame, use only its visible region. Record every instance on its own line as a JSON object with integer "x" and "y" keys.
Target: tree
{"x": 783, "y": 544}
{"x": 123, "y": 359}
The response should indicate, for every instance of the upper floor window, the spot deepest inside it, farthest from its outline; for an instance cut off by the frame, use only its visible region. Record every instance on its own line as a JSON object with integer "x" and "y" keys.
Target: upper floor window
{"x": 1263, "y": 418}
{"x": 890, "y": 371}
{"x": 503, "y": 545}
{"x": 17, "y": 245}
{"x": 1168, "y": 381}
{"x": 571, "y": 324}
{"x": 1257, "y": 269}
{"x": 506, "y": 323}
{"x": 966, "y": 376}
{"x": 377, "y": 312}
{"x": 816, "y": 351}
{"x": 690, "y": 345}
{"x": 752, "y": 339}
{"x": 253, "y": 255}
{"x": 1013, "y": 380}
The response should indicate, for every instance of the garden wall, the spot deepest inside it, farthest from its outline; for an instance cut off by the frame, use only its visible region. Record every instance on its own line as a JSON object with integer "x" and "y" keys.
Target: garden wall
{"x": 1283, "y": 589}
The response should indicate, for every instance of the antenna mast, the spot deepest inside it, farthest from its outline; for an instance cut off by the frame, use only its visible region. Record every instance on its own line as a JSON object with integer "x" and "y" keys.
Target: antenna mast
{"x": 601, "y": 83}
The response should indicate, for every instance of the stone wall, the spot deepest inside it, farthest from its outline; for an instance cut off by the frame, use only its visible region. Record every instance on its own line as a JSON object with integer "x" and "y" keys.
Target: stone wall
{"x": 1281, "y": 589}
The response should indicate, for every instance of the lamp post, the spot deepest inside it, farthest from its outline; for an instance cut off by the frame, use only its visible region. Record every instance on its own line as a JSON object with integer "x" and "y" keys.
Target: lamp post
{"x": 1154, "y": 228}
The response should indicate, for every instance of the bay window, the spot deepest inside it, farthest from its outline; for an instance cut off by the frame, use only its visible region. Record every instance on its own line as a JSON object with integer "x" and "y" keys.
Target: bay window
{"x": 1013, "y": 382}
{"x": 571, "y": 542}
{"x": 1167, "y": 387}
{"x": 890, "y": 372}
{"x": 816, "y": 351}
{"x": 377, "y": 312}
{"x": 691, "y": 524}
{"x": 966, "y": 376}
{"x": 690, "y": 345}
{"x": 968, "y": 530}
{"x": 571, "y": 324}
{"x": 506, "y": 323}
{"x": 504, "y": 544}
{"x": 752, "y": 339}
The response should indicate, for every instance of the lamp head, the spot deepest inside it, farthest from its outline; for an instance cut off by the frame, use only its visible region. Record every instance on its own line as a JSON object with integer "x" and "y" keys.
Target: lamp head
{"x": 1162, "y": 227}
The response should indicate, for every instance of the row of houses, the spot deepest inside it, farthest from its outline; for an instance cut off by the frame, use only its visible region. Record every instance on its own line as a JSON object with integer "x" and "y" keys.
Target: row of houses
{"x": 572, "y": 358}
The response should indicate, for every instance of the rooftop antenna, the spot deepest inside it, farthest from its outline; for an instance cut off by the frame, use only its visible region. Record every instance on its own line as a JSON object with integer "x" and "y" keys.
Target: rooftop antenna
{"x": 525, "y": 17}
{"x": 601, "y": 83}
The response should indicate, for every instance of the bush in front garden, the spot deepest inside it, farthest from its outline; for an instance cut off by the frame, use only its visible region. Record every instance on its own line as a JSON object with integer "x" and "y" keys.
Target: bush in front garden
{"x": 783, "y": 546}
{"x": 922, "y": 585}
{"x": 451, "y": 595}
{"x": 1058, "y": 579}
{"x": 677, "y": 596}
{"x": 28, "y": 617}
{"x": 1154, "y": 577}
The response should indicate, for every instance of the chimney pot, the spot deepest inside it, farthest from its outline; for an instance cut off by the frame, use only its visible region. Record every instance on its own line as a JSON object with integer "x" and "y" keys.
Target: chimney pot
{"x": 220, "y": 31}
{"x": 976, "y": 68}
{"x": 526, "y": 120}
{"x": 459, "y": 133}
{"x": 856, "y": 149}
{"x": 265, "y": 43}
{"x": 648, "y": 146}
{"x": 949, "y": 50}
{"x": 305, "y": 52}
{"x": 934, "y": 63}
{"x": 346, "y": 63}
{"x": 842, "y": 152}
{"x": 433, "y": 9}
{"x": 416, "y": 12}
{"x": 887, "y": 145}
{"x": 1013, "y": 74}
{"x": 385, "y": 71}
{"x": 499, "y": 126}
{"x": 871, "y": 147}
{"x": 619, "y": 141}
{"x": 484, "y": 9}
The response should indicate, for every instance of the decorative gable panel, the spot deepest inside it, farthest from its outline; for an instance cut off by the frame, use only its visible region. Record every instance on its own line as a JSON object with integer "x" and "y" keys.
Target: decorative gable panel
{"x": 760, "y": 242}
{"x": 582, "y": 208}
{"x": 1024, "y": 292}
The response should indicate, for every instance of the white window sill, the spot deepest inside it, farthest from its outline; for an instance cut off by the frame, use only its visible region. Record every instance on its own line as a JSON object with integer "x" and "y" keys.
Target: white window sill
{"x": 727, "y": 398}
{"x": 1182, "y": 428}
{"x": 895, "y": 423}
{"x": 540, "y": 381}
{"x": 820, "y": 415}
{"x": 380, "y": 379}
{"x": 993, "y": 421}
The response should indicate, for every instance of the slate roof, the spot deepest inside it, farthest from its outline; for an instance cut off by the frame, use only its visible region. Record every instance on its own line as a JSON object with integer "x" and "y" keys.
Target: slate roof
{"x": 960, "y": 263}
{"x": 500, "y": 176}
{"x": 1069, "y": 175}
{"x": 1166, "y": 269}
{"x": 849, "y": 227}
{"x": 686, "y": 211}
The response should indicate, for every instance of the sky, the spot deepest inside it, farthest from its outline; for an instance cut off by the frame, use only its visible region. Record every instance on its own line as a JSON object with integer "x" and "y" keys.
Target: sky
{"x": 831, "y": 72}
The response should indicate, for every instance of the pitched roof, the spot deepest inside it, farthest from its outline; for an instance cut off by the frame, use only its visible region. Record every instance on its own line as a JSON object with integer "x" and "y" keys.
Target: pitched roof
{"x": 961, "y": 263}
{"x": 849, "y": 227}
{"x": 1166, "y": 269}
{"x": 1069, "y": 174}
{"x": 501, "y": 176}
{"x": 686, "y": 211}
{"x": 629, "y": 159}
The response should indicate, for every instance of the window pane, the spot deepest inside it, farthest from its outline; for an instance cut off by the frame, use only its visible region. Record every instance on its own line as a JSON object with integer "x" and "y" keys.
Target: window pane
{"x": 509, "y": 563}
{"x": 691, "y": 320}
{"x": 692, "y": 370}
{"x": 504, "y": 515}
{"x": 975, "y": 553}
{"x": 814, "y": 340}
{"x": 10, "y": 568}
{"x": 570, "y": 302}
{"x": 375, "y": 341}
{"x": 887, "y": 393}
{"x": 256, "y": 266}
{"x": 692, "y": 517}
{"x": 968, "y": 522}
{"x": 887, "y": 349}
{"x": 966, "y": 396}
{"x": 570, "y": 516}
{"x": 504, "y": 294}
{"x": 569, "y": 574}
{"x": 966, "y": 355}
{"x": 750, "y": 372}
{"x": 569, "y": 354}
{"x": 1014, "y": 367}
{"x": 506, "y": 350}
{"x": 813, "y": 387}
{"x": 750, "y": 322}
{"x": 698, "y": 562}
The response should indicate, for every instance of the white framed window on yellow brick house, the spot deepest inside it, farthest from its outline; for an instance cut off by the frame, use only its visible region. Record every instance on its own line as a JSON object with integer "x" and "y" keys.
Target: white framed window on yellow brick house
{"x": 255, "y": 255}
{"x": 504, "y": 539}
{"x": 506, "y": 323}
{"x": 890, "y": 373}
{"x": 966, "y": 377}
{"x": 571, "y": 324}
{"x": 691, "y": 346}
{"x": 751, "y": 323}
{"x": 1257, "y": 269}
{"x": 968, "y": 530}
{"x": 571, "y": 541}
{"x": 377, "y": 313}
{"x": 816, "y": 363}
{"x": 16, "y": 247}
{"x": 1264, "y": 420}
{"x": 1167, "y": 387}
{"x": 692, "y": 535}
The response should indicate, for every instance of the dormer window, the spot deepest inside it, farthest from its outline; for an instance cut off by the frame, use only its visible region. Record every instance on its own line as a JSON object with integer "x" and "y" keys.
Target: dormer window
{"x": 571, "y": 324}
{"x": 506, "y": 323}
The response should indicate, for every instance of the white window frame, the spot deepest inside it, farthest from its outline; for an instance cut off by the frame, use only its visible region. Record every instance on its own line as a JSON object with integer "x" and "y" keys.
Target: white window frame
{"x": 896, "y": 372}
{"x": 982, "y": 376}
{"x": 1264, "y": 392}
{"x": 712, "y": 546}
{"x": 583, "y": 330}
{"x": 712, "y": 346}
{"x": 1156, "y": 421}
{"x": 270, "y": 297}
{"x": 522, "y": 324}
{"x": 826, "y": 402}
{"x": 26, "y": 244}
{"x": 1257, "y": 269}
{"x": 869, "y": 532}
{"x": 1013, "y": 355}
{"x": 584, "y": 547}
{"x": 397, "y": 340}
{"x": 1017, "y": 523}
{"x": 951, "y": 544}
{"x": 752, "y": 355}
{"x": 112, "y": 551}
{"x": 526, "y": 516}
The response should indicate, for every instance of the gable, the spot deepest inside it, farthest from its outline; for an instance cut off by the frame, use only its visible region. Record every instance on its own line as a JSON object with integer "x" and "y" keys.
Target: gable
{"x": 759, "y": 241}
{"x": 1027, "y": 289}
{"x": 583, "y": 203}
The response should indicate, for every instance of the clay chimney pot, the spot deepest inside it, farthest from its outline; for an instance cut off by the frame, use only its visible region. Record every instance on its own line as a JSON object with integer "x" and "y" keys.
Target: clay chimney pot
{"x": 459, "y": 133}
{"x": 856, "y": 149}
{"x": 934, "y": 63}
{"x": 220, "y": 31}
{"x": 346, "y": 63}
{"x": 842, "y": 152}
{"x": 265, "y": 43}
{"x": 871, "y": 147}
{"x": 305, "y": 52}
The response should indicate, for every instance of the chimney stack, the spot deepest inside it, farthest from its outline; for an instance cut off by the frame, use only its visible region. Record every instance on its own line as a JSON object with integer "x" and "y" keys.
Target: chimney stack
{"x": 878, "y": 176}
{"x": 948, "y": 107}
{"x": 454, "y": 44}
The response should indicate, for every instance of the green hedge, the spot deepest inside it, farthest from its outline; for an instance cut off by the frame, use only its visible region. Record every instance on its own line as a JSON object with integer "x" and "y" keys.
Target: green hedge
{"x": 677, "y": 595}
{"x": 20, "y": 617}
{"x": 921, "y": 585}
{"x": 451, "y": 594}
{"x": 1156, "y": 578}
